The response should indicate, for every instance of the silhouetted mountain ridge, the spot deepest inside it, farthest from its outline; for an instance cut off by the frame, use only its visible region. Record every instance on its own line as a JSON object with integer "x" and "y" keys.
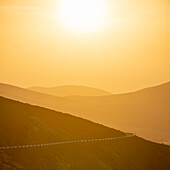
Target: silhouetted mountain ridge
{"x": 70, "y": 90}
{"x": 26, "y": 124}
{"x": 145, "y": 112}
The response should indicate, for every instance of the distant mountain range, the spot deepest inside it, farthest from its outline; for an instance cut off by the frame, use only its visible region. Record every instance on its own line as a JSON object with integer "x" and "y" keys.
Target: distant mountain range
{"x": 22, "y": 124}
{"x": 70, "y": 90}
{"x": 145, "y": 112}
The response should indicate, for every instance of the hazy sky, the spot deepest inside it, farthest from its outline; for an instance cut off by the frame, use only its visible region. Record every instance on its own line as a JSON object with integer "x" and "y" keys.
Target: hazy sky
{"x": 131, "y": 50}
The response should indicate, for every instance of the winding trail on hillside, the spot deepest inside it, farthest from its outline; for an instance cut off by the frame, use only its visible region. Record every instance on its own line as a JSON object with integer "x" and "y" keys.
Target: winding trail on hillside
{"x": 65, "y": 142}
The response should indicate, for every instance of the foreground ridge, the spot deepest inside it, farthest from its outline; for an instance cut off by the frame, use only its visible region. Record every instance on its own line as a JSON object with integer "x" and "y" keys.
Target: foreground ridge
{"x": 64, "y": 142}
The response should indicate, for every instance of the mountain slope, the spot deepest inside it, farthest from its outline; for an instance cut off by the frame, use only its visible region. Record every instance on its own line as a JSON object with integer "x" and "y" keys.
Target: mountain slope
{"x": 26, "y": 124}
{"x": 145, "y": 112}
{"x": 6, "y": 162}
{"x": 70, "y": 90}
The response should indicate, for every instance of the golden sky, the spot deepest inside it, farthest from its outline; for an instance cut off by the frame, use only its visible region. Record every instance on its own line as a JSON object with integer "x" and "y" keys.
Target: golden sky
{"x": 118, "y": 46}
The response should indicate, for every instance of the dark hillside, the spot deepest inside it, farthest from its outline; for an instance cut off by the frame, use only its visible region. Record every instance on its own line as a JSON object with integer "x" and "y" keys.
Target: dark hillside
{"x": 25, "y": 124}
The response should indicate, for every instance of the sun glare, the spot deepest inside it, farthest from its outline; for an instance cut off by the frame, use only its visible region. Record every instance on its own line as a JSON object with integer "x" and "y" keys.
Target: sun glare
{"x": 83, "y": 15}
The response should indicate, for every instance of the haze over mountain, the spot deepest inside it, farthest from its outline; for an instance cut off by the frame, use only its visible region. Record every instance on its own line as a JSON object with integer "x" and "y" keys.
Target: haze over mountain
{"x": 80, "y": 62}
{"x": 34, "y": 125}
{"x": 131, "y": 51}
{"x": 69, "y": 90}
{"x": 145, "y": 112}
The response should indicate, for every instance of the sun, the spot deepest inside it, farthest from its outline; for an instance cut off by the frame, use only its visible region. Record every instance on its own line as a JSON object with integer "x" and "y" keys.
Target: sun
{"x": 83, "y": 15}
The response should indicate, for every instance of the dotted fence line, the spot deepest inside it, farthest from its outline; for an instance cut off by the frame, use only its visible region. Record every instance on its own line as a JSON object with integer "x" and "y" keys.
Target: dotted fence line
{"x": 63, "y": 142}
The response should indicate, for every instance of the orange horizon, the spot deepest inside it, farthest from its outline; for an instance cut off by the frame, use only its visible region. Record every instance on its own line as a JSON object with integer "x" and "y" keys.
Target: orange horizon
{"x": 46, "y": 44}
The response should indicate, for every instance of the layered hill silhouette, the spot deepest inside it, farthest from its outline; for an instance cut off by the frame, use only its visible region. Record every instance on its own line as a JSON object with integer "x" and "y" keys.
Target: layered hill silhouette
{"x": 70, "y": 90}
{"x": 145, "y": 112}
{"x": 22, "y": 124}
